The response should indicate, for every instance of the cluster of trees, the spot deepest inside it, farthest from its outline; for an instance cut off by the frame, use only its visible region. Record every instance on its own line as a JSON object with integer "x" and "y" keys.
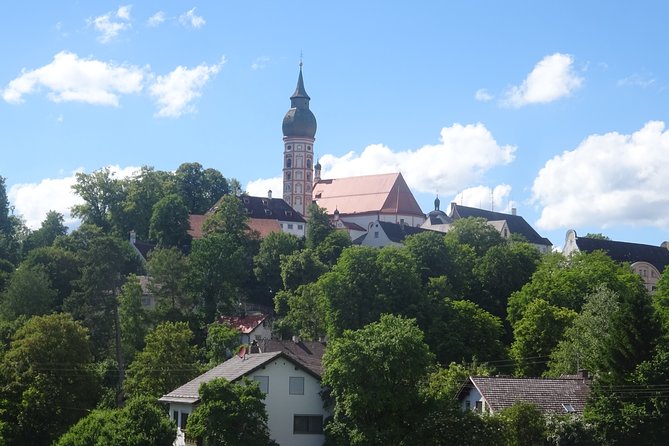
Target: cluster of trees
{"x": 420, "y": 318}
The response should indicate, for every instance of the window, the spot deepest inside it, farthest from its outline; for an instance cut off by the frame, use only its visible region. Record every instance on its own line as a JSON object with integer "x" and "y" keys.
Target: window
{"x": 289, "y": 148}
{"x": 308, "y": 163}
{"x": 289, "y": 162}
{"x": 184, "y": 420}
{"x": 479, "y": 406}
{"x": 376, "y": 234}
{"x": 175, "y": 416}
{"x": 468, "y": 405}
{"x": 309, "y": 148}
{"x": 299, "y": 147}
{"x": 290, "y": 226}
{"x": 568, "y": 408}
{"x": 263, "y": 381}
{"x": 288, "y": 175}
{"x": 296, "y": 385}
{"x": 308, "y": 424}
{"x": 300, "y": 227}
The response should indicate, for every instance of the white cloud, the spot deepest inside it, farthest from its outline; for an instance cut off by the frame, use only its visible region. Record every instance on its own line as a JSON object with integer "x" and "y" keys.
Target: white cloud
{"x": 463, "y": 155}
{"x": 259, "y": 187}
{"x": 189, "y": 18}
{"x": 607, "y": 180}
{"x": 69, "y": 78}
{"x": 34, "y": 200}
{"x": 483, "y": 197}
{"x": 176, "y": 91}
{"x": 483, "y": 95}
{"x": 551, "y": 79}
{"x": 109, "y": 25}
{"x": 260, "y": 63}
{"x": 636, "y": 80}
{"x": 156, "y": 19}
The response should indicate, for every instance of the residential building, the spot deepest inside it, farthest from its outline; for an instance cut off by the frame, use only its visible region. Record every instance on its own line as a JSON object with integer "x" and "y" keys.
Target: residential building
{"x": 384, "y": 233}
{"x": 492, "y": 394}
{"x": 647, "y": 261}
{"x": 289, "y": 374}
{"x": 254, "y": 326}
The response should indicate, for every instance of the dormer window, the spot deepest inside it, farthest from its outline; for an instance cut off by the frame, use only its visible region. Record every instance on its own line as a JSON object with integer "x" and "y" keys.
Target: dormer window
{"x": 268, "y": 212}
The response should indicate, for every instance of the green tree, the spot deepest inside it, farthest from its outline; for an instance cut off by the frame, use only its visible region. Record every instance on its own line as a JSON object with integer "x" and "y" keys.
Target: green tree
{"x": 459, "y": 330}
{"x": 63, "y": 267}
{"x": 140, "y": 423}
{"x": 329, "y": 250}
{"x": 475, "y": 232}
{"x": 167, "y": 361}
{"x": 169, "y": 222}
{"x": 221, "y": 342}
{"x": 29, "y": 293}
{"x": 303, "y": 312}
{"x": 318, "y": 225}
{"x": 144, "y": 189}
{"x": 527, "y": 425}
{"x": 198, "y": 187}
{"x": 103, "y": 197}
{"x": 267, "y": 263}
{"x": 537, "y": 334}
{"x": 230, "y": 414}
{"x": 229, "y": 218}
{"x": 47, "y": 380}
{"x": 52, "y": 227}
{"x": 374, "y": 375}
{"x": 430, "y": 254}
{"x": 300, "y": 268}
{"x": 134, "y": 319}
{"x": 168, "y": 269}
{"x": 584, "y": 344}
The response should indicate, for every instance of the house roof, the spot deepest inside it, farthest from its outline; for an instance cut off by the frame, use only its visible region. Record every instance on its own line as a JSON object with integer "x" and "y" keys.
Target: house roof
{"x": 548, "y": 394}
{"x": 516, "y": 223}
{"x": 244, "y": 324}
{"x": 657, "y": 256}
{"x": 397, "y": 232}
{"x": 384, "y": 193}
{"x": 232, "y": 370}
{"x": 264, "y": 215}
{"x": 306, "y": 355}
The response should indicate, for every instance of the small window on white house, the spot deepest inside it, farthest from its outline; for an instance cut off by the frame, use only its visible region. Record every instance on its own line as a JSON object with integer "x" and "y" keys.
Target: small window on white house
{"x": 307, "y": 424}
{"x": 263, "y": 382}
{"x": 290, "y": 226}
{"x": 468, "y": 405}
{"x": 300, "y": 227}
{"x": 296, "y": 385}
{"x": 175, "y": 416}
{"x": 376, "y": 234}
{"x": 184, "y": 421}
{"x": 479, "y": 406}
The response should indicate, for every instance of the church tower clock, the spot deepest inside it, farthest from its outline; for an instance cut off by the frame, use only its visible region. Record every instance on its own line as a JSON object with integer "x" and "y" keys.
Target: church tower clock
{"x": 299, "y": 131}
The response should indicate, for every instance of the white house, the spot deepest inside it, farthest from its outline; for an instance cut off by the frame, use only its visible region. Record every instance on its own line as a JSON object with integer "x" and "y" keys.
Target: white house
{"x": 251, "y": 327}
{"x": 290, "y": 379}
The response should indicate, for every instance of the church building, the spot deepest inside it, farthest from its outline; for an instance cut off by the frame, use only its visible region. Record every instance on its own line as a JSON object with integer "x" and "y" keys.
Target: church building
{"x": 352, "y": 203}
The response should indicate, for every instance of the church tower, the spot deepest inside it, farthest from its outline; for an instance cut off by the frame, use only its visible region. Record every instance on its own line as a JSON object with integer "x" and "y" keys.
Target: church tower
{"x": 299, "y": 131}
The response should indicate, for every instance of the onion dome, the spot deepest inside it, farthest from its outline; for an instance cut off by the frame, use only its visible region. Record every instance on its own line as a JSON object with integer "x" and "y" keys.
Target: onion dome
{"x": 299, "y": 120}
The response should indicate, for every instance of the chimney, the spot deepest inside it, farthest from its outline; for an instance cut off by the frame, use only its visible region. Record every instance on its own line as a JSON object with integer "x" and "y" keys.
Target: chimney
{"x": 269, "y": 193}
{"x": 513, "y": 211}
{"x": 255, "y": 348}
{"x": 583, "y": 374}
{"x": 133, "y": 236}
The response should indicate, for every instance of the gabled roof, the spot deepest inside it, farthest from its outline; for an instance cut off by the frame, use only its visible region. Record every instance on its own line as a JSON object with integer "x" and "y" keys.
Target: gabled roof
{"x": 384, "y": 193}
{"x": 516, "y": 223}
{"x": 397, "y": 232}
{"x": 244, "y": 324}
{"x": 548, "y": 394}
{"x": 306, "y": 355}
{"x": 233, "y": 369}
{"x": 264, "y": 215}
{"x": 657, "y": 256}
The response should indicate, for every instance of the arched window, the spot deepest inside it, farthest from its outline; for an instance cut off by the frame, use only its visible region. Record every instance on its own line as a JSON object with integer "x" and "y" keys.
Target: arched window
{"x": 289, "y": 162}
{"x": 288, "y": 175}
{"x": 286, "y": 187}
{"x": 298, "y": 162}
{"x": 308, "y": 163}
{"x": 298, "y": 188}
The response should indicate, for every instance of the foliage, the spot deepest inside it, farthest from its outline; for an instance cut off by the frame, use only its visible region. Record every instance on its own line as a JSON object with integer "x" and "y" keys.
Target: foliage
{"x": 29, "y": 293}
{"x": 168, "y": 269}
{"x": 537, "y": 334}
{"x": 459, "y": 330}
{"x": 134, "y": 319}
{"x": 267, "y": 263}
{"x": 475, "y": 232}
{"x": 565, "y": 281}
{"x": 221, "y": 342}
{"x": 47, "y": 380}
{"x": 102, "y": 194}
{"x": 63, "y": 267}
{"x": 329, "y": 250}
{"x": 445, "y": 382}
{"x": 527, "y": 425}
{"x": 230, "y": 414}
{"x": 52, "y": 227}
{"x": 140, "y": 423}
{"x": 300, "y": 268}
{"x": 167, "y": 361}
{"x": 374, "y": 375}
{"x": 303, "y": 312}
{"x": 169, "y": 222}
{"x": 569, "y": 430}
{"x": 318, "y": 225}
{"x": 584, "y": 343}
{"x": 200, "y": 188}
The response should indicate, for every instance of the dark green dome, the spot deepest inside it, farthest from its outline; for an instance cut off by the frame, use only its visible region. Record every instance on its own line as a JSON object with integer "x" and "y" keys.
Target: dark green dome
{"x": 299, "y": 120}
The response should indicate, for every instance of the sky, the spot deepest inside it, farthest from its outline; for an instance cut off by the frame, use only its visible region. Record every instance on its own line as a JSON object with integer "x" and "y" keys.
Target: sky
{"x": 557, "y": 109}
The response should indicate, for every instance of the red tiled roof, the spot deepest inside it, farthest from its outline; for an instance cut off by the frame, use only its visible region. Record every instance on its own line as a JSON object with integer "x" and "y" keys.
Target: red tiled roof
{"x": 196, "y": 222}
{"x": 384, "y": 193}
{"x": 263, "y": 226}
{"x": 244, "y": 324}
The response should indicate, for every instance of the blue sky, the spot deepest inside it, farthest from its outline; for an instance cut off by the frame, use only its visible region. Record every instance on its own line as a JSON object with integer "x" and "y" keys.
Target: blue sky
{"x": 558, "y": 110}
